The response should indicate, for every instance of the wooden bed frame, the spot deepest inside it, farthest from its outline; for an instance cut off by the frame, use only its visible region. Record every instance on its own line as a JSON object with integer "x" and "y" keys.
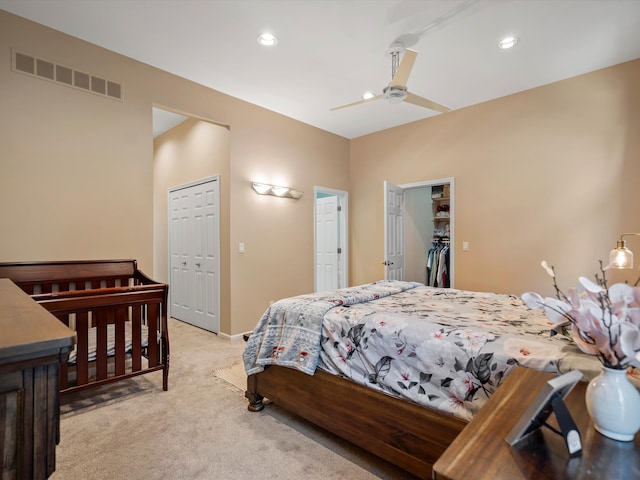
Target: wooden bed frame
{"x": 94, "y": 294}
{"x": 406, "y": 434}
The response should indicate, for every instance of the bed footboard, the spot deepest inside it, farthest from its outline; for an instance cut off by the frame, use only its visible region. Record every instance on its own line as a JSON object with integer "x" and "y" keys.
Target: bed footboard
{"x": 406, "y": 434}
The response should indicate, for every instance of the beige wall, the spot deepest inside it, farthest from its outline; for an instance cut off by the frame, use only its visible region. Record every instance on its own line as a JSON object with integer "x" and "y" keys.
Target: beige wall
{"x": 277, "y": 232}
{"x": 72, "y": 162}
{"x": 77, "y": 170}
{"x": 551, "y": 173}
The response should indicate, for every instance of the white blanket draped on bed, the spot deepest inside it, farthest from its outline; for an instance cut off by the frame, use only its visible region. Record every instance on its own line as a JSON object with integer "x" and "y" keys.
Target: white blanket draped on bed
{"x": 289, "y": 332}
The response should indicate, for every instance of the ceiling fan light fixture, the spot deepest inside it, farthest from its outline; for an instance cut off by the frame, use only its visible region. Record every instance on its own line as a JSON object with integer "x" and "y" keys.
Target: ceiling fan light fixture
{"x": 267, "y": 39}
{"x": 507, "y": 43}
{"x": 395, "y": 95}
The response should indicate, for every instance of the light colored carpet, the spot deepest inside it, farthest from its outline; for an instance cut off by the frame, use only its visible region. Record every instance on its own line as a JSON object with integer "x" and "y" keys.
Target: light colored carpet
{"x": 200, "y": 428}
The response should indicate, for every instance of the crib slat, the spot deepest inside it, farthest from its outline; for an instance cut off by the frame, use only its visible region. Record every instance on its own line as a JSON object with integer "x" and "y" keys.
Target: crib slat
{"x": 82, "y": 352}
{"x": 152, "y": 324}
{"x": 136, "y": 342}
{"x": 101, "y": 346}
{"x": 121, "y": 316}
{"x": 63, "y": 286}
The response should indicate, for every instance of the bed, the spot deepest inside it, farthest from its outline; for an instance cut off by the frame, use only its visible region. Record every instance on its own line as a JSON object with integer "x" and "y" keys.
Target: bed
{"x": 119, "y": 316}
{"x": 396, "y": 367}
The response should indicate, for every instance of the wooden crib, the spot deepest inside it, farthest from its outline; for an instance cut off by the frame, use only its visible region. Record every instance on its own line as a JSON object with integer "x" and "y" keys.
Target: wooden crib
{"x": 118, "y": 313}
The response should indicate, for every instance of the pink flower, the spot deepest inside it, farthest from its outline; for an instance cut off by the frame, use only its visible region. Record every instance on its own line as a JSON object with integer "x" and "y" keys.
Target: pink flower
{"x": 604, "y": 321}
{"x": 438, "y": 335}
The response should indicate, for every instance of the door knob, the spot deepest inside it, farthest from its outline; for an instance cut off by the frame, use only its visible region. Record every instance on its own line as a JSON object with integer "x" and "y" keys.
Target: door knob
{"x": 184, "y": 263}
{"x": 198, "y": 265}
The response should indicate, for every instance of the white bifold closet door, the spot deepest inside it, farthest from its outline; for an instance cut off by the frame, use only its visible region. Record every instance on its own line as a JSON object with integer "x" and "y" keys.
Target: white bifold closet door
{"x": 194, "y": 239}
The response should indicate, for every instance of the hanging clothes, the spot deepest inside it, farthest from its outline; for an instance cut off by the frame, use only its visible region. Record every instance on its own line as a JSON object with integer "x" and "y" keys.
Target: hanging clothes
{"x": 438, "y": 265}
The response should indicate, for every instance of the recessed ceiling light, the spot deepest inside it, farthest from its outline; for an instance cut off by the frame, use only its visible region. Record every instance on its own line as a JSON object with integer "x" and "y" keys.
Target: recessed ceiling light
{"x": 368, "y": 95}
{"x": 267, "y": 39}
{"x": 507, "y": 43}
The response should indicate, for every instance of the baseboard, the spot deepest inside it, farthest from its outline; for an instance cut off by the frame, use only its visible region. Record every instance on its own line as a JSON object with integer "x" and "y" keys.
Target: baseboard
{"x": 233, "y": 338}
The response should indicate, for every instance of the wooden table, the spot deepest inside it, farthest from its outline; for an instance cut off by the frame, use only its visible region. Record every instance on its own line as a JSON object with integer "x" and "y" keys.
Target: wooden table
{"x": 32, "y": 343}
{"x": 481, "y": 452}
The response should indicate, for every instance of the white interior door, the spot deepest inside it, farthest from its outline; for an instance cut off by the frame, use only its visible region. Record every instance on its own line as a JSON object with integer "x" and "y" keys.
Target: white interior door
{"x": 194, "y": 249}
{"x": 327, "y": 257}
{"x": 394, "y": 232}
{"x": 331, "y": 234}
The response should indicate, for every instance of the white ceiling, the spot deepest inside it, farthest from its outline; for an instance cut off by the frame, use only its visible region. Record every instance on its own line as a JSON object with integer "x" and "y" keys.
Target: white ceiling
{"x": 163, "y": 121}
{"x": 331, "y": 51}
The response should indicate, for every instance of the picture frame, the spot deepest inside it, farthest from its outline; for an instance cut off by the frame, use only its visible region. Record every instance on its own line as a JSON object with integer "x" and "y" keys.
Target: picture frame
{"x": 550, "y": 400}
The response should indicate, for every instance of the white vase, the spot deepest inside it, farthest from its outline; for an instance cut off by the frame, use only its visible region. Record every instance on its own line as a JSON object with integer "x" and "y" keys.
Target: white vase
{"x": 614, "y": 404}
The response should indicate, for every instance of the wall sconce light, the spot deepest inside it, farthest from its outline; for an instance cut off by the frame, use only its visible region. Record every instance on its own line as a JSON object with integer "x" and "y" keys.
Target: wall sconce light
{"x": 621, "y": 256}
{"x": 276, "y": 191}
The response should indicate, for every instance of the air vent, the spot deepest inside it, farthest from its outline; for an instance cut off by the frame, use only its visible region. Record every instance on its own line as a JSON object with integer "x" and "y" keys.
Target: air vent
{"x": 38, "y": 67}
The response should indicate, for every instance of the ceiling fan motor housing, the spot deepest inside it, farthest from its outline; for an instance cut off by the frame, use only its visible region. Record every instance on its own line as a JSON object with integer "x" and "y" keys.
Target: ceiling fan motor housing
{"x": 394, "y": 94}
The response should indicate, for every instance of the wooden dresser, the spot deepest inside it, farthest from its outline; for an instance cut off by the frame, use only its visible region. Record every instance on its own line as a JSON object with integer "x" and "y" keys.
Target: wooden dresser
{"x": 480, "y": 452}
{"x": 32, "y": 343}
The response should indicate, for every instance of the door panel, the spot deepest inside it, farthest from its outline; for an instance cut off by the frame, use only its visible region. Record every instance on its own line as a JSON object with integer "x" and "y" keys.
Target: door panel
{"x": 394, "y": 232}
{"x": 327, "y": 260}
{"x": 194, "y": 250}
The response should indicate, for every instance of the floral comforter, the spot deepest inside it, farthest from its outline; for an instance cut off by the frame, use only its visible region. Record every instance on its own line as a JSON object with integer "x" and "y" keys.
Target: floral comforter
{"x": 446, "y": 349}
{"x": 289, "y": 332}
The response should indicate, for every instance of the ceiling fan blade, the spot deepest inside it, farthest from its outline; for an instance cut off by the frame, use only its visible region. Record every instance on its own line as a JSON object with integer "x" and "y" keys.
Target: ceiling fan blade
{"x": 423, "y": 102}
{"x": 377, "y": 97}
{"x": 404, "y": 69}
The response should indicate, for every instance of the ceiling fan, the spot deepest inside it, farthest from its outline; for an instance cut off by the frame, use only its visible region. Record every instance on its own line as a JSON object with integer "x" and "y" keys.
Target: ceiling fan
{"x": 396, "y": 91}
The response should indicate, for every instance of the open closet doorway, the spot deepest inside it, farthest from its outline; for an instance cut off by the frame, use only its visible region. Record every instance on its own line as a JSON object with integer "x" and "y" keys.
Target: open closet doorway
{"x": 191, "y": 158}
{"x": 330, "y": 239}
{"x": 419, "y": 232}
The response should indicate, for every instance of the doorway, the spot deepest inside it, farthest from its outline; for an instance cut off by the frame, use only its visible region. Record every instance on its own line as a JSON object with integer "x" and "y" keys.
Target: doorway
{"x": 330, "y": 239}
{"x": 418, "y": 217}
{"x": 194, "y": 250}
